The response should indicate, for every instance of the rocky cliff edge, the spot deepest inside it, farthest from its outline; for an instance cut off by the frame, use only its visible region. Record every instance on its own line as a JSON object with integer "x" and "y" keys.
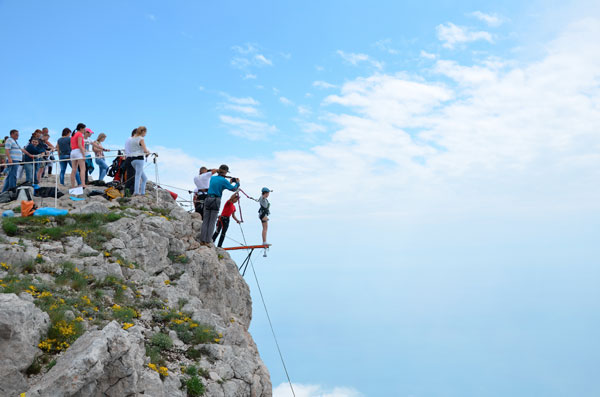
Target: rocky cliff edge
{"x": 119, "y": 299}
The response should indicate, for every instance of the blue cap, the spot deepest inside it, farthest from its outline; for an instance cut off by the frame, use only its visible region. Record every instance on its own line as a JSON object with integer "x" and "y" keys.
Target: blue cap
{"x": 266, "y": 189}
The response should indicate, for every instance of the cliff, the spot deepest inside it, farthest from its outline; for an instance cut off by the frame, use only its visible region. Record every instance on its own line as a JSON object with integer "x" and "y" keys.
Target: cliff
{"x": 119, "y": 299}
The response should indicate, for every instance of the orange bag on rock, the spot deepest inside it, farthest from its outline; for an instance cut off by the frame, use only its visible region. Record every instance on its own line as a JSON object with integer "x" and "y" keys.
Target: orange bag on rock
{"x": 27, "y": 208}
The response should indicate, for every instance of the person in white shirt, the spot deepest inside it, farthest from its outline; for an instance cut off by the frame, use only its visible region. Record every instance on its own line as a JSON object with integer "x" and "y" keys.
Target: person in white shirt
{"x": 202, "y": 181}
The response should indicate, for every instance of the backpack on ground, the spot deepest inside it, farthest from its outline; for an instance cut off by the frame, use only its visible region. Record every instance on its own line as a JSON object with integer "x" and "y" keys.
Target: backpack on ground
{"x": 112, "y": 193}
{"x": 27, "y": 208}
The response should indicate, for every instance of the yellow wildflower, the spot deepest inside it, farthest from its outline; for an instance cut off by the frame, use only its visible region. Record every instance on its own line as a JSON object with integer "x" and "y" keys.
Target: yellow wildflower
{"x": 124, "y": 287}
{"x": 5, "y": 266}
{"x": 217, "y": 340}
{"x": 76, "y": 270}
{"x": 167, "y": 282}
{"x": 193, "y": 325}
{"x": 116, "y": 307}
{"x": 79, "y": 319}
{"x": 95, "y": 309}
{"x": 127, "y": 325}
{"x": 163, "y": 371}
{"x": 106, "y": 254}
{"x": 152, "y": 367}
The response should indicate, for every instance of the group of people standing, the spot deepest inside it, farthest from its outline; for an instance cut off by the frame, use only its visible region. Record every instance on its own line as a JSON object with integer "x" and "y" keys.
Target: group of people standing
{"x": 207, "y": 202}
{"x": 73, "y": 149}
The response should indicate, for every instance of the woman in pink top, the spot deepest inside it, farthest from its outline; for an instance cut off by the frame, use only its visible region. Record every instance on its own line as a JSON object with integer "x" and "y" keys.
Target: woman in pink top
{"x": 78, "y": 154}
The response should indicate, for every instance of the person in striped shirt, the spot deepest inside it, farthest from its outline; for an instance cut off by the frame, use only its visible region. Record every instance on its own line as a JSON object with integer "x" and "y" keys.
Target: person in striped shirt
{"x": 14, "y": 154}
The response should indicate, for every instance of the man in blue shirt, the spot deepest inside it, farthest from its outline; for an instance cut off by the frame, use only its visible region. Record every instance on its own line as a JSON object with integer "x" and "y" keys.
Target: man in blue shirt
{"x": 218, "y": 183}
{"x": 35, "y": 149}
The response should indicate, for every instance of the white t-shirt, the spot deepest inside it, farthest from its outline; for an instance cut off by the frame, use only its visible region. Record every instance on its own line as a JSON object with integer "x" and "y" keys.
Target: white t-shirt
{"x": 135, "y": 149}
{"x": 202, "y": 181}
{"x": 127, "y": 150}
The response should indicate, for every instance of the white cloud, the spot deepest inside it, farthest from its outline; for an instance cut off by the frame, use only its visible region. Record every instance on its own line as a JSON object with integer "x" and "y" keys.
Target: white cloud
{"x": 262, "y": 60}
{"x": 250, "y": 76}
{"x": 304, "y": 110}
{"x": 310, "y": 127}
{"x": 285, "y": 101}
{"x": 247, "y": 110}
{"x": 355, "y": 59}
{"x": 248, "y": 57}
{"x": 319, "y": 68}
{"x": 451, "y": 35}
{"x": 242, "y": 101}
{"x": 245, "y": 128}
{"x": 323, "y": 84}
{"x": 151, "y": 17}
{"x": 427, "y": 55}
{"x": 245, "y": 49}
{"x": 300, "y": 390}
{"x": 385, "y": 45}
{"x": 491, "y": 19}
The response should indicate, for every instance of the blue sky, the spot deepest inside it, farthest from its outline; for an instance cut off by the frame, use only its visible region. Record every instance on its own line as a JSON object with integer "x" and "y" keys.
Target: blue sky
{"x": 435, "y": 168}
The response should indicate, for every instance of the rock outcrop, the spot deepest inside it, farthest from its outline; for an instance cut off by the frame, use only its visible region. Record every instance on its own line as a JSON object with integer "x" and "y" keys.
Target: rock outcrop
{"x": 119, "y": 299}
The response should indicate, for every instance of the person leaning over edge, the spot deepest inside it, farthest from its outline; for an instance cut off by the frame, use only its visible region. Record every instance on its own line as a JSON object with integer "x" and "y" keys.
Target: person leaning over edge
{"x": 218, "y": 183}
{"x": 202, "y": 182}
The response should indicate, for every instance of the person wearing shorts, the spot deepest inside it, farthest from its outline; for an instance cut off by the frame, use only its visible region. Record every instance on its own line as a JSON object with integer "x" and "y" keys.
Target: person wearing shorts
{"x": 264, "y": 212}
{"x": 78, "y": 154}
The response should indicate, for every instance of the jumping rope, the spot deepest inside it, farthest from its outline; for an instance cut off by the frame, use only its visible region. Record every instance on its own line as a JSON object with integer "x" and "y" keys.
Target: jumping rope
{"x": 262, "y": 298}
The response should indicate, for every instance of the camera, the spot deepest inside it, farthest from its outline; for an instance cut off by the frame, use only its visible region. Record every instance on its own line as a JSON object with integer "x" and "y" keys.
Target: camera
{"x": 234, "y": 180}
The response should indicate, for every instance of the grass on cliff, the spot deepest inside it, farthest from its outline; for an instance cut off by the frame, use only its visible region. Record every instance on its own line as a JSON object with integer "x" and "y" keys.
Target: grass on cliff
{"x": 45, "y": 228}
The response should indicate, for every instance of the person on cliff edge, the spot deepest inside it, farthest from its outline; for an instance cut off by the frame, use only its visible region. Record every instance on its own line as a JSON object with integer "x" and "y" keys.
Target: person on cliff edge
{"x": 202, "y": 182}
{"x": 218, "y": 183}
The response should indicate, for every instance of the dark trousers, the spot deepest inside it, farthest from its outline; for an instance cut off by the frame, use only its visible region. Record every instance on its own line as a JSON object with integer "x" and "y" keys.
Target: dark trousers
{"x": 199, "y": 202}
{"x": 222, "y": 226}
{"x": 211, "y": 213}
{"x": 129, "y": 178}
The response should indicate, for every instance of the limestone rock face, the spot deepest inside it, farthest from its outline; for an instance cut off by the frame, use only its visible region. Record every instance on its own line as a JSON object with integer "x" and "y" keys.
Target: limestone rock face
{"x": 149, "y": 261}
{"x": 100, "y": 363}
{"x": 21, "y": 326}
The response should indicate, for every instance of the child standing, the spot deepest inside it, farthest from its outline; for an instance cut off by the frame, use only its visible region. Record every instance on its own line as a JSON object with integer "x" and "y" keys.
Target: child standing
{"x": 264, "y": 212}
